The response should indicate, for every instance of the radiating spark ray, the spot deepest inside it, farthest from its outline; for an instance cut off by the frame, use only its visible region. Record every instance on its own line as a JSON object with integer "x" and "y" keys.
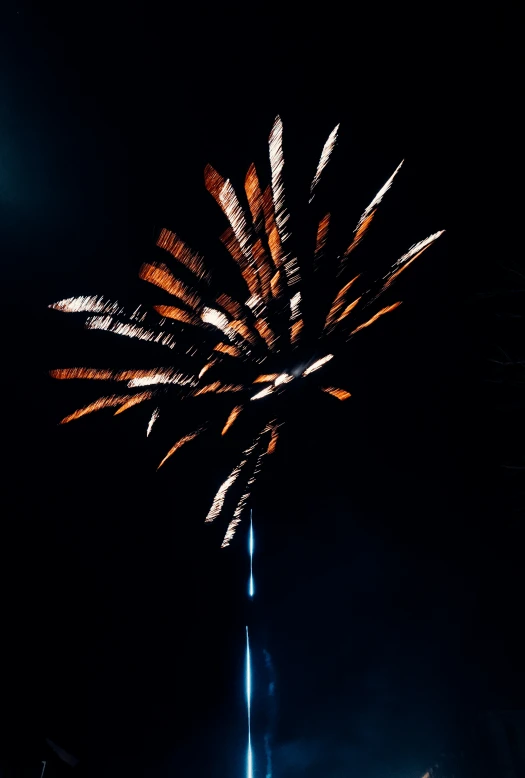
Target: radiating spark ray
{"x": 253, "y": 191}
{"x": 339, "y": 302}
{"x": 324, "y": 159}
{"x": 108, "y": 324}
{"x": 224, "y": 348}
{"x": 159, "y": 274}
{"x": 375, "y": 317}
{"x": 232, "y": 307}
{"x": 111, "y": 401}
{"x": 133, "y": 377}
{"x": 207, "y": 366}
{"x": 181, "y": 442}
{"x": 296, "y": 330}
{"x": 182, "y": 253}
{"x": 341, "y": 394}
{"x": 322, "y": 235}
{"x": 218, "y": 388}
{"x": 263, "y": 393}
{"x": 295, "y": 306}
{"x": 231, "y": 418}
{"x": 153, "y": 419}
{"x": 218, "y": 500}
{"x": 135, "y": 400}
{"x": 266, "y": 333}
{"x": 403, "y": 262}
{"x": 349, "y": 308}
{"x": 90, "y": 303}
{"x": 237, "y": 516}
{"x": 369, "y": 213}
{"x": 178, "y": 314}
{"x": 317, "y": 364}
{"x": 291, "y": 265}
{"x": 273, "y": 440}
{"x": 266, "y": 378}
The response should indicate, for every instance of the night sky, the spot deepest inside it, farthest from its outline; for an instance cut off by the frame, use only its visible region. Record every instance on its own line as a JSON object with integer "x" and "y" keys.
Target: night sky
{"x": 388, "y": 538}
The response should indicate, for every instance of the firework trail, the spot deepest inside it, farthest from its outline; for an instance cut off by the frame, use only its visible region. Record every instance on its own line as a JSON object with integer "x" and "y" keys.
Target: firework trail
{"x": 229, "y": 340}
{"x": 249, "y": 757}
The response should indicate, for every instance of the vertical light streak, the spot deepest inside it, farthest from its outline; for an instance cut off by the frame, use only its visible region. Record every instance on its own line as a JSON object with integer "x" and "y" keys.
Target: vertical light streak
{"x": 251, "y": 588}
{"x": 249, "y": 761}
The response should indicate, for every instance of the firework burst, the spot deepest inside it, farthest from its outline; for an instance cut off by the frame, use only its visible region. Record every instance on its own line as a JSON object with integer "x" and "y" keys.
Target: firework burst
{"x": 250, "y": 347}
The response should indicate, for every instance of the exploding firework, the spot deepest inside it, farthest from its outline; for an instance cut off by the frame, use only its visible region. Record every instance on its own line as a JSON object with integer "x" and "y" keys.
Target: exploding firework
{"x": 254, "y": 347}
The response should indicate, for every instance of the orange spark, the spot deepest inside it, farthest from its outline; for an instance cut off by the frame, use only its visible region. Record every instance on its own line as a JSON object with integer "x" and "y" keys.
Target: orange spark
{"x": 225, "y": 348}
{"x": 99, "y": 405}
{"x": 412, "y": 254}
{"x": 230, "y": 306}
{"x": 297, "y": 326}
{"x": 376, "y": 316}
{"x": 207, "y": 367}
{"x": 179, "y": 444}
{"x": 369, "y": 213}
{"x": 349, "y": 308}
{"x": 273, "y": 440}
{"x": 171, "y": 312}
{"x": 265, "y": 332}
{"x": 180, "y": 251}
{"x": 232, "y": 244}
{"x": 341, "y": 394}
{"x": 157, "y": 273}
{"x": 266, "y": 378}
{"x": 360, "y": 233}
{"x": 218, "y": 388}
{"x": 254, "y": 195}
{"x": 275, "y": 284}
{"x": 339, "y": 302}
{"x": 83, "y": 373}
{"x": 135, "y": 400}
{"x": 322, "y": 234}
{"x": 231, "y": 418}
{"x": 272, "y": 234}
{"x": 244, "y": 331}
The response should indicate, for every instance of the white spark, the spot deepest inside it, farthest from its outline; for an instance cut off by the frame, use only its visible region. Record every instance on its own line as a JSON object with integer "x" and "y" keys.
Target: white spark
{"x": 90, "y": 303}
{"x": 324, "y": 159}
{"x": 316, "y": 365}
{"x": 154, "y": 417}
{"x": 284, "y": 378}
{"x": 263, "y": 393}
{"x": 109, "y": 324}
{"x": 295, "y": 306}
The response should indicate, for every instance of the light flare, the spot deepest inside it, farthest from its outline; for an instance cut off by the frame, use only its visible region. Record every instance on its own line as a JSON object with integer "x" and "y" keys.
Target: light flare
{"x": 317, "y": 364}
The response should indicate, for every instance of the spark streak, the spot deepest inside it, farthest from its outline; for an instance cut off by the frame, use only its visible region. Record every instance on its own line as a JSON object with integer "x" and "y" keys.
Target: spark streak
{"x": 317, "y": 364}
{"x": 249, "y": 759}
{"x": 154, "y": 417}
{"x": 324, "y": 159}
{"x": 231, "y": 419}
{"x": 341, "y": 394}
{"x": 91, "y": 304}
{"x": 375, "y": 317}
{"x": 185, "y": 439}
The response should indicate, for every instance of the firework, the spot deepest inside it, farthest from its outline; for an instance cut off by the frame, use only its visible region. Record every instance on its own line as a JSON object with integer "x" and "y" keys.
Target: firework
{"x": 250, "y": 348}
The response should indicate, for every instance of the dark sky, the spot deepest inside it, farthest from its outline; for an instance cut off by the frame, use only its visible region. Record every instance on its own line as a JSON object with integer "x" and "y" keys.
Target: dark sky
{"x": 389, "y": 548}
